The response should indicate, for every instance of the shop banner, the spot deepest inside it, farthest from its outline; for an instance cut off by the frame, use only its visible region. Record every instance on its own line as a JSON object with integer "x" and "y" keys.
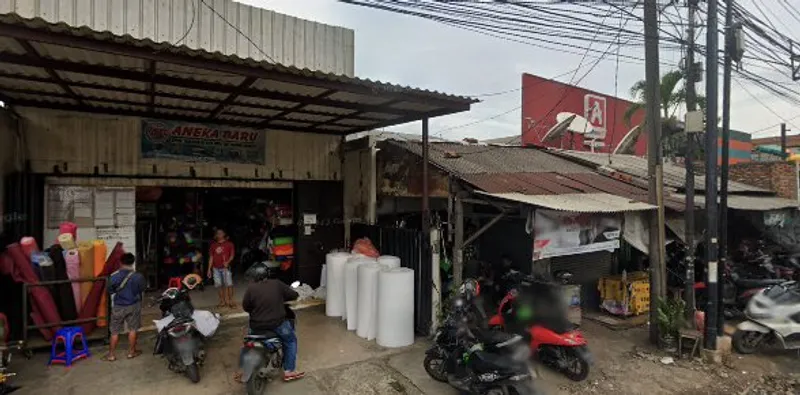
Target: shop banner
{"x": 558, "y": 233}
{"x": 200, "y": 142}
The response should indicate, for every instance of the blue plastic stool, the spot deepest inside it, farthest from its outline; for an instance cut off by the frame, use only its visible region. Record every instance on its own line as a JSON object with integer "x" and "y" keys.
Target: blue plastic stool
{"x": 67, "y": 336}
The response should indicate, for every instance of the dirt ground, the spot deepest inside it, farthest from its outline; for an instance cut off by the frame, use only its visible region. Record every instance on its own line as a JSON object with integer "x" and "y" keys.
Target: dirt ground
{"x": 338, "y": 362}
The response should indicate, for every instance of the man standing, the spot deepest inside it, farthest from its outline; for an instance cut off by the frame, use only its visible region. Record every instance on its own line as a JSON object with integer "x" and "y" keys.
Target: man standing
{"x": 220, "y": 256}
{"x": 126, "y": 288}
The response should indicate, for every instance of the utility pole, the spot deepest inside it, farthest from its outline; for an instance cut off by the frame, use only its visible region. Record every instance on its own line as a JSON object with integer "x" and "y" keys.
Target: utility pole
{"x": 726, "y": 142}
{"x": 691, "y": 105}
{"x": 654, "y": 165}
{"x": 712, "y": 229}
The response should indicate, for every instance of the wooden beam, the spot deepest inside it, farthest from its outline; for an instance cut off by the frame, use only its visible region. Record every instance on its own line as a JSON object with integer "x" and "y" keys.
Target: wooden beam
{"x": 53, "y": 75}
{"x": 205, "y": 60}
{"x": 231, "y": 97}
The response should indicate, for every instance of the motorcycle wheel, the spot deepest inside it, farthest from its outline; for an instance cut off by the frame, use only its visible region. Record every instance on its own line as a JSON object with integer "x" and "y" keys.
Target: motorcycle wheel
{"x": 193, "y": 372}
{"x": 747, "y": 342}
{"x": 576, "y": 368}
{"x": 435, "y": 365}
{"x": 256, "y": 384}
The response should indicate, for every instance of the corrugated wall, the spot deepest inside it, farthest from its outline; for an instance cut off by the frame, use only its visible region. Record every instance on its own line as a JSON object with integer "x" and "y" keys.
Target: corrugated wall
{"x": 285, "y": 39}
{"x": 77, "y": 143}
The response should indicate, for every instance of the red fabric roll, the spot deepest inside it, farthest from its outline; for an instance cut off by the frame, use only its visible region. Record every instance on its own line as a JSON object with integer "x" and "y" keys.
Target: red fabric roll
{"x": 29, "y": 246}
{"x": 92, "y": 301}
{"x": 69, "y": 227}
{"x": 42, "y": 302}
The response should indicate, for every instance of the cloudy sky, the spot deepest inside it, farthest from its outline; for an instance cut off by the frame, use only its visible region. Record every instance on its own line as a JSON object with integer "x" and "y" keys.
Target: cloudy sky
{"x": 421, "y": 53}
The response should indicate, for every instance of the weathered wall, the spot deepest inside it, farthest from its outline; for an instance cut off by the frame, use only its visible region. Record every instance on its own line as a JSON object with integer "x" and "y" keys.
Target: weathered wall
{"x": 359, "y": 185}
{"x": 8, "y": 144}
{"x": 400, "y": 174}
{"x": 285, "y": 39}
{"x": 780, "y": 177}
{"x": 79, "y": 144}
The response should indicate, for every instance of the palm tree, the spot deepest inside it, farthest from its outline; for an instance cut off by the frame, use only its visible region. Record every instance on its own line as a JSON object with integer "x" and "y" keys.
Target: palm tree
{"x": 673, "y": 97}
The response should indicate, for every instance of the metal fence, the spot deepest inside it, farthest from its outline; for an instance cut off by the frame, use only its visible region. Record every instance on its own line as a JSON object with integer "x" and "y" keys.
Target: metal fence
{"x": 411, "y": 247}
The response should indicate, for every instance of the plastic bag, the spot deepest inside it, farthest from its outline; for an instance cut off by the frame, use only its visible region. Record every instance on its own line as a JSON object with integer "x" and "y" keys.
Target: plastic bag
{"x": 365, "y": 247}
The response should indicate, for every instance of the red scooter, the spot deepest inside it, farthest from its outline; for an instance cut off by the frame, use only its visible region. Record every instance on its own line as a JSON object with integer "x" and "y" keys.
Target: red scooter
{"x": 554, "y": 340}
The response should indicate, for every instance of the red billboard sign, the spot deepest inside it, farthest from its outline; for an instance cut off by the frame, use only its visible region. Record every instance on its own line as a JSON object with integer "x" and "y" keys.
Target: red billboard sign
{"x": 544, "y": 99}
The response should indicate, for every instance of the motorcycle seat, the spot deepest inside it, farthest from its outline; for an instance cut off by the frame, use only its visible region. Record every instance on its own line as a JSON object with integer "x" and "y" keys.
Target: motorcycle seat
{"x": 489, "y": 362}
{"x": 266, "y": 335}
{"x": 494, "y": 337}
{"x": 758, "y": 282}
{"x": 179, "y": 321}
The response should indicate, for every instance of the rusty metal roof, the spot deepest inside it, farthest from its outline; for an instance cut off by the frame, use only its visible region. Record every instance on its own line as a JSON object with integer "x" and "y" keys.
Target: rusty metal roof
{"x": 577, "y": 202}
{"x": 528, "y": 171}
{"x": 752, "y": 203}
{"x": 58, "y": 66}
{"x": 674, "y": 176}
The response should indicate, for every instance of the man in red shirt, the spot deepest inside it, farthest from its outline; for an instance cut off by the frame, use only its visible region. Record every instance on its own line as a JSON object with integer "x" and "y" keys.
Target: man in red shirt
{"x": 220, "y": 256}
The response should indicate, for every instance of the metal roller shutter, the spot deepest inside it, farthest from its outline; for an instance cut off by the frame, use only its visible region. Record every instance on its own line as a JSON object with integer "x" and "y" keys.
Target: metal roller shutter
{"x": 586, "y": 270}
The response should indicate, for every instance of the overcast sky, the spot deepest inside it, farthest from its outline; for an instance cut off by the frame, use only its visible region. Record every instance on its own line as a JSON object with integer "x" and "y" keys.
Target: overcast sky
{"x": 421, "y": 53}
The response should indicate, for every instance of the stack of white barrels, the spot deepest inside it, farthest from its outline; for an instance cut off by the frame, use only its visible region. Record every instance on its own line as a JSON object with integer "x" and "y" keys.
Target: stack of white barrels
{"x": 375, "y": 296}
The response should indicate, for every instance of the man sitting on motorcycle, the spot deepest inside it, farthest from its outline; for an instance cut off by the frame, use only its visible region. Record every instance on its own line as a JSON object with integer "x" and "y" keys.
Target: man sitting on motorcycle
{"x": 264, "y": 301}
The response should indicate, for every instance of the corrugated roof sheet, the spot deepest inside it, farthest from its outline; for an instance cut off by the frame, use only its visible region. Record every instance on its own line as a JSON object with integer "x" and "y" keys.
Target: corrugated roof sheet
{"x": 458, "y": 158}
{"x": 577, "y": 202}
{"x": 103, "y": 72}
{"x": 674, "y": 176}
{"x": 752, "y": 203}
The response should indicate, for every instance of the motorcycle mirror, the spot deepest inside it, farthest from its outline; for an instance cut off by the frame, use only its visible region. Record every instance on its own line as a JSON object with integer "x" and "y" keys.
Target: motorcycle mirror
{"x": 295, "y": 284}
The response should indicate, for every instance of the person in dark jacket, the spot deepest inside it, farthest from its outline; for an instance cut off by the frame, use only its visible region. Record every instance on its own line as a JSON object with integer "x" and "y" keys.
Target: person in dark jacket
{"x": 126, "y": 288}
{"x": 264, "y": 300}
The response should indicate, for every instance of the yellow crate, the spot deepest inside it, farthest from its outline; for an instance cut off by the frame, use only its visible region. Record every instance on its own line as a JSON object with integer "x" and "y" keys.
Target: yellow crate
{"x": 635, "y": 291}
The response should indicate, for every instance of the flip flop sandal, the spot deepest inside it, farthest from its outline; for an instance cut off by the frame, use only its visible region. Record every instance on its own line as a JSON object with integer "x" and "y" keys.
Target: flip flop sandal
{"x": 134, "y": 355}
{"x": 108, "y": 358}
{"x": 291, "y": 377}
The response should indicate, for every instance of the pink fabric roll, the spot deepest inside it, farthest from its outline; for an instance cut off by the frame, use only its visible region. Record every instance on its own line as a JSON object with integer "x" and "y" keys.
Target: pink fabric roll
{"x": 69, "y": 227}
{"x": 29, "y": 246}
{"x": 73, "y": 260}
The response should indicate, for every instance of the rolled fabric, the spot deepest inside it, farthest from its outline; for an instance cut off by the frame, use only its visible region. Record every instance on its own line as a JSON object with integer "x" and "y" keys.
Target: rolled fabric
{"x": 92, "y": 303}
{"x": 280, "y": 241}
{"x": 284, "y": 250}
{"x": 335, "y": 298}
{"x": 351, "y": 290}
{"x": 86, "y": 252}
{"x": 367, "y": 300}
{"x": 390, "y": 262}
{"x": 99, "y": 263}
{"x": 29, "y": 246}
{"x": 395, "y": 307}
{"x": 69, "y": 228}
{"x": 73, "y": 259}
{"x": 42, "y": 305}
{"x": 65, "y": 299}
{"x": 67, "y": 241}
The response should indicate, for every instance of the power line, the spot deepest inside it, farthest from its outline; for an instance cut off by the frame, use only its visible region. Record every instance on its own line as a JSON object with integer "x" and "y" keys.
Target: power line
{"x": 258, "y": 47}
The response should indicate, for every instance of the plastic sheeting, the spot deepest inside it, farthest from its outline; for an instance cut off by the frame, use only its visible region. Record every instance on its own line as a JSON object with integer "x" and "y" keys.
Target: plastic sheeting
{"x": 395, "y": 307}
{"x": 335, "y": 301}
{"x": 368, "y": 300}
{"x": 351, "y": 289}
{"x": 390, "y": 262}
{"x": 206, "y": 321}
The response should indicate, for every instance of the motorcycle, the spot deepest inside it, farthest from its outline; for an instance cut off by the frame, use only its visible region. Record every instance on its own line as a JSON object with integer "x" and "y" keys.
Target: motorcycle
{"x": 181, "y": 334}
{"x": 5, "y": 387}
{"x": 476, "y": 361}
{"x": 262, "y": 355}
{"x": 553, "y": 339}
{"x": 773, "y": 317}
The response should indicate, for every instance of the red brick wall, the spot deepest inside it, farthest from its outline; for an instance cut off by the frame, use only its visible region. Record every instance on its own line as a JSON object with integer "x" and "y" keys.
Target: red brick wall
{"x": 779, "y": 177}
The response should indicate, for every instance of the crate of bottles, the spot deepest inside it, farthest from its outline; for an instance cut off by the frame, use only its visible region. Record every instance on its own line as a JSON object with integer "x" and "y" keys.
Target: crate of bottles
{"x": 626, "y": 294}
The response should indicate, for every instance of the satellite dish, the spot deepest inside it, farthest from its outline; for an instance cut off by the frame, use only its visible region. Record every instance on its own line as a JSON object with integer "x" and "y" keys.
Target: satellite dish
{"x": 625, "y": 145}
{"x": 559, "y": 128}
{"x": 578, "y": 124}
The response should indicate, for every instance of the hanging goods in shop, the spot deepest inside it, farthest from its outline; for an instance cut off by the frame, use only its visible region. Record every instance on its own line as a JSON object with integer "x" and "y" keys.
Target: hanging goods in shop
{"x": 283, "y": 250}
{"x": 395, "y": 307}
{"x": 99, "y": 264}
{"x": 43, "y": 307}
{"x": 367, "y": 300}
{"x": 73, "y": 259}
{"x": 69, "y": 228}
{"x": 91, "y": 307}
{"x": 67, "y": 241}
{"x": 65, "y": 299}
{"x": 282, "y": 241}
{"x": 390, "y": 262}
{"x": 29, "y": 246}
{"x": 335, "y": 302}
{"x": 351, "y": 290}
{"x": 86, "y": 253}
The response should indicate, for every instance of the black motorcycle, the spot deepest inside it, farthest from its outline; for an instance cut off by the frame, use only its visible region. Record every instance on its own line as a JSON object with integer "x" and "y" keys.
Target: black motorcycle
{"x": 180, "y": 342}
{"x": 478, "y": 361}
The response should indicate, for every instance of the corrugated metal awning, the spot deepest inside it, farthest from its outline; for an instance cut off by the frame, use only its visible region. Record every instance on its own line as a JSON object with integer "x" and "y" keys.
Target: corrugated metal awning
{"x": 577, "y": 202}
{"x": 57, "y": 66}
{"x": 168, "y": 182}
{"x": 752, "y": 203}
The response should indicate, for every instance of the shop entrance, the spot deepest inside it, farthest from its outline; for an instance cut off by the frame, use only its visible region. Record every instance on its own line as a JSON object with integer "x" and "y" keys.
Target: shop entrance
{"x": 175, "y": 227}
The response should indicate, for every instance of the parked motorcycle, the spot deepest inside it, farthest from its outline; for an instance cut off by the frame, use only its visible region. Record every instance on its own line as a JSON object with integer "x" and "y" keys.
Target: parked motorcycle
{"x": 262, "y": 355}
{"x": 5, "y": 387}
{"x": 773, "y": 317}
{"x": 476, "y": 361}
{"x": 180, "y": 339}
{"x": 553, "y": 339}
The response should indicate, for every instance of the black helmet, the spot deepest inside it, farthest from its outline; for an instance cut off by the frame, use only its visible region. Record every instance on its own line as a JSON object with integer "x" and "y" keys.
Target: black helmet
{"x": 261, "y": 271}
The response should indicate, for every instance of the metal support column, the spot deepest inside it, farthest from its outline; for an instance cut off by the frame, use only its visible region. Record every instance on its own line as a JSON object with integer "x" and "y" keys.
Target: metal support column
{"x": 726, "y": 142}
{"x": 691, "y": 105}
{"x": 426, "y": 210}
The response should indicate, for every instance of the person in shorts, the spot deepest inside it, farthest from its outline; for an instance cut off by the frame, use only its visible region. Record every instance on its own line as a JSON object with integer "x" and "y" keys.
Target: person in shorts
{"x": 126, "y": 287}
{"x": 220, "y": 256}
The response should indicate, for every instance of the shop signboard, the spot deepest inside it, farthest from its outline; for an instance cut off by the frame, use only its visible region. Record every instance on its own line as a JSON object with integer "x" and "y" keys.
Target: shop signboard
{"x": 558, "y": 233}
{"x": 194, "y": 142}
